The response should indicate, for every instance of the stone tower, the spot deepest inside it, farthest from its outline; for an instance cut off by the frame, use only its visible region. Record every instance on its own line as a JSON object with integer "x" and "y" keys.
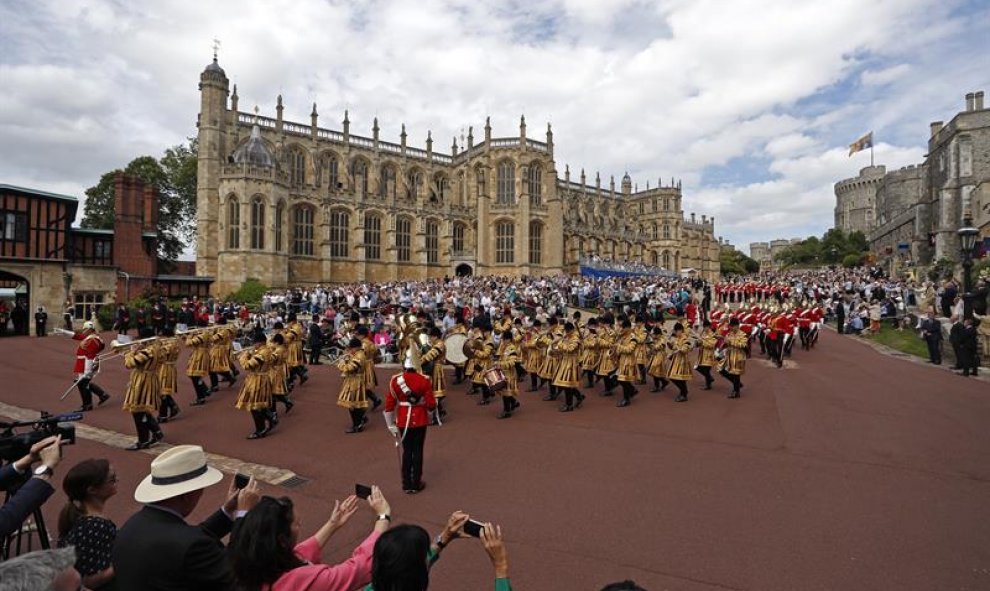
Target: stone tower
{"x": 213, "y": 88}
{"x": 855, "y": 200}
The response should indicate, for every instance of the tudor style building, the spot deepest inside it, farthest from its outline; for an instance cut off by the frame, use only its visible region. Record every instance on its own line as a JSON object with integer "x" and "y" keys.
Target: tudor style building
{"x": 293, "y": 204}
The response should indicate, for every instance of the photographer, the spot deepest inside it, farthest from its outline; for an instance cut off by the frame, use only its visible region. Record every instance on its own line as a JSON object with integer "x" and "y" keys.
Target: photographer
{"x": 33, "y": 493}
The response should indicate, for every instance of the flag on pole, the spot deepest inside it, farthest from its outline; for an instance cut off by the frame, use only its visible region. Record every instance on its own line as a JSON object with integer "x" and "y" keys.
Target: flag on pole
{"x": 861, "y": 144}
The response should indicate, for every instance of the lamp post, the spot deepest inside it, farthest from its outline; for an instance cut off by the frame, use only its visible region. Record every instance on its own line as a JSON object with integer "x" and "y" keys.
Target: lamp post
{"x": 967, "y": 240}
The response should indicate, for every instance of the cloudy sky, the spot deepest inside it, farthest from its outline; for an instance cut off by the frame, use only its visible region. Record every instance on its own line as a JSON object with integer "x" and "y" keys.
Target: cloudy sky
{"x": 752, "y": 103}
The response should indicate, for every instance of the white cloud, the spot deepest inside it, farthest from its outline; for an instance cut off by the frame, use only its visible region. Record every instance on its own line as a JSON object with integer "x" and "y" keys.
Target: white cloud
{"x": 770, "y": 89}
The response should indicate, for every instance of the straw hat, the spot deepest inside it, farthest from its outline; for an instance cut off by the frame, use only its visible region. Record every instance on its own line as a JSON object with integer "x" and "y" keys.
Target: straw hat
{"x": 178, "y": 471}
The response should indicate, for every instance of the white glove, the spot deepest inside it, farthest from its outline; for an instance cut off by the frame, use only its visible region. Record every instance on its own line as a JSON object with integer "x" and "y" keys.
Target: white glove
{"x": 393, "y": 430}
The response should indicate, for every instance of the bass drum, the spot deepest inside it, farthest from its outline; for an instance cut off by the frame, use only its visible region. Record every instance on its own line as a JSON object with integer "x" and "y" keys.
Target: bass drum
{"x": 455, "y": 348}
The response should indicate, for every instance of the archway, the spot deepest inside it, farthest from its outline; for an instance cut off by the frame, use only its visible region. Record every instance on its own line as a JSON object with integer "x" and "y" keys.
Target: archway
{"x": 15, "y": 305}
{"x": 463, "y": 270}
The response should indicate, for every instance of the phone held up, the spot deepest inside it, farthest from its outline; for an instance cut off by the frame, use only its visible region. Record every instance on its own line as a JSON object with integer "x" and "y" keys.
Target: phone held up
{"x": 473, "y": 528}
{"x": 241, "y": 480}
{"x": 362, "y": 491}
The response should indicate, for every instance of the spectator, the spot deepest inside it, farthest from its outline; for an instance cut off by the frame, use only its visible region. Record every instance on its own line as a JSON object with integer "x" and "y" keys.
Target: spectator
{"x": 931, "y": 332}
{"x": 969, "y": 348}
{"x": 403, "y": 555}
{"x": 266, "y": 555}
{"x": 33, "y": 493}
{"x": 875, "y": 315}
{"x": 955, "y": 338}
{"x": 44, "y": 570}
{"x": 41, "y": 322}
{"x": 81, "y": 524}
{"x": 68, "y": 312}
{"x": 156, "y": 550}
{"x": 855, "y": 324}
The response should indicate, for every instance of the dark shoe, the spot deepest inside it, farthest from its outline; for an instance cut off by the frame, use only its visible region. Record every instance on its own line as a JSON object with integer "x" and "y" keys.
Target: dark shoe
{"x": 364, "y": 421}
{"x": 410, "y": 491}
{"x": 580, "y": 400}
{"x": 303, "y": 380}
{"x": 623, "y": 402}
{"x": 231, "y": 383}
{"x": 214, "y": 389}
{"x": 504, "y": 415}
{"x": 707, "y": 386}
{"x": 289, "y": 406}
{"x": 566, "y": 408}
{"x": 156, "y": 437}
{"x": 680, "y": 398}
{"x": 654, "y": 389}
{"x": 163, "y": 419}
{"x": 484, "y": 402}
{"x": 84, "y": 408}
{"x": 515, "y": 404}
{"x": 198, "y": 402}
{"x": 257, "y": 435}
{"x": 138, "y": 445}
{"x": 549, "y": 397}
{"x": 103, "y": 399}
{"x": 734, "y": 394}
{"x": 352, "y": 429}
{"x": 421, "y": 487}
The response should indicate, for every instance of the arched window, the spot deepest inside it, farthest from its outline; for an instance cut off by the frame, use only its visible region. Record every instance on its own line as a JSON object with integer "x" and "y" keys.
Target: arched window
{"x": 505, "y": 242}
{"x": 340, "y": 222}
{"x": 457, "y": 240}
{"x": 642, "y": 207}
{"x": 403, "y": 239}
{"x": 330, "y": 170}
{"x": 666, "y": 204}
{"x": 233, "y": 223}
{"x": 506, "y": 188}
{"x": 656, "y": 231}
{"x": 386, "y": 184}
{"x": 666, "y": 231}
{"x": 415, "y": 184}
{"x": 302, "y": 231}
{"x": 655, "y": 259}
{"x": 440, "y": 191}
{"x": 359, "y": 177}
{"x": 258, "y": 223}
{"x": 666, "y": 260}
{"x": 654, "y": 205}
{"x": 535, "y": 186}
{"x": 535, "y": 243}
{"x": 279, "y": 215}
{"x": 432, "y": 242}
{"x": 297, "y": 167}
{"x": 372, "y": 237}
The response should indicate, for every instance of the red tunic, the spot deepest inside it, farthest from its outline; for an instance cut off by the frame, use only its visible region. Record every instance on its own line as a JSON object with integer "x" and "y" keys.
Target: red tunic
{"x": 418, "y": 384}
{"x": 89, "y": 348}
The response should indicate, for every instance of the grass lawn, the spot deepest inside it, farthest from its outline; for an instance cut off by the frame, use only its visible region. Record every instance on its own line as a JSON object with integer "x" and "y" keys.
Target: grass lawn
{"x": 906, "y": 341}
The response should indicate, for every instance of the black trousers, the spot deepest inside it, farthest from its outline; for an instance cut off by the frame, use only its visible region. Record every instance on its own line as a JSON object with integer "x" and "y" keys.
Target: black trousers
{"x": 145, "y": 425}
{"x": 934, "y": 351}
{"x": 733, "y": 379}
{"x": 202, "y": 391}
{"x": 412, "y": 457}
{"x": 215, "y": 378}
{"x": 86, "y": 390}
{"x": 314, "y": 354}
{"x": 706, "y": 370}
{"x": 168, "y": 408}
{"x": 628, "y": 390}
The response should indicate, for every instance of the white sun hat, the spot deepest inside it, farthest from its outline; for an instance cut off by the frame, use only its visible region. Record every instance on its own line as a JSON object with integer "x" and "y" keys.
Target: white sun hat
{"x": 178, "y": 471}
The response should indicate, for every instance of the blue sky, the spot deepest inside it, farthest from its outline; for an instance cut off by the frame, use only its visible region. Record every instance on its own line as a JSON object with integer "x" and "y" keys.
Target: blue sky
{"x": 751, "y": 103}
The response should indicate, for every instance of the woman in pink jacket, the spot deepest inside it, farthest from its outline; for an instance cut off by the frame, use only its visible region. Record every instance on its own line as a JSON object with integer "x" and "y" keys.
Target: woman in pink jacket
{"x": 267, "y": 556}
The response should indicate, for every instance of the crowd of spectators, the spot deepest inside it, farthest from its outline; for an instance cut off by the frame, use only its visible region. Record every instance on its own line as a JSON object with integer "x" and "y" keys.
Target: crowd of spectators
{"x": 156, "y": 549}
{"x": 630, "y": 267}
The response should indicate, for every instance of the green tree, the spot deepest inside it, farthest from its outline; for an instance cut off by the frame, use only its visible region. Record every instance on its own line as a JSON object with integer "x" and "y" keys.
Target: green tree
{"x": 733, "y": 262}
{"x": 174, "y": 175}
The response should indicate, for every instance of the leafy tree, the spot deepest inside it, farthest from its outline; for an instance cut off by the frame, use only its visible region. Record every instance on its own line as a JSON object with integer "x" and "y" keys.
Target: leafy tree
{"x": 733, "y": 262}
{"x": 174, "y": 175}
{"x": 249, "y": 292}
{"x": 852, "y": 260}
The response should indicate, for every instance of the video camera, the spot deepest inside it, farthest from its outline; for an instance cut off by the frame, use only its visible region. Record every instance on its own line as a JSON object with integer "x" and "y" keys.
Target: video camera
{"x": 14, "y": 446}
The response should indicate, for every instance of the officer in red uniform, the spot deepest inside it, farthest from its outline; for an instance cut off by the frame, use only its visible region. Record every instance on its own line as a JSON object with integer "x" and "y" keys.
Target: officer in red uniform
{"x": 86, "y": 365}
{"x": 411, "y": 393}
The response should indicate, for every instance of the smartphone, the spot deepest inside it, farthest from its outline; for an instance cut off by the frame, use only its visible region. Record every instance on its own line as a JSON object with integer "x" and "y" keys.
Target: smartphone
{"x": 473, "y": 528}
{"x": 241, "y": 480}
{"x": 362, "y": 491}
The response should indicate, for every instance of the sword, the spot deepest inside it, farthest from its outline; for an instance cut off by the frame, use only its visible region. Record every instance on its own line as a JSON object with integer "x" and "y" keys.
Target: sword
{"x": 74, "y": 384}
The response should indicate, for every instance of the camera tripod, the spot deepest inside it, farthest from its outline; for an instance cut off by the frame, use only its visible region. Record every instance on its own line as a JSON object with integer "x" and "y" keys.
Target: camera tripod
{"x": 22, "y": 541}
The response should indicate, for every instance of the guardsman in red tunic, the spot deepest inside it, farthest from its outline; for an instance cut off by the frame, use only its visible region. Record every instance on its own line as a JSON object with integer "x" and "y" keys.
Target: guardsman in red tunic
{"x": 408, "y": 404}
{"x": 87, "y": 365}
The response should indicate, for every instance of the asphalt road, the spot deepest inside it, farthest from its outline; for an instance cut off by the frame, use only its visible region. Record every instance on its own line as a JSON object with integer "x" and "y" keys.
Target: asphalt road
{"x": 848, "y": 469}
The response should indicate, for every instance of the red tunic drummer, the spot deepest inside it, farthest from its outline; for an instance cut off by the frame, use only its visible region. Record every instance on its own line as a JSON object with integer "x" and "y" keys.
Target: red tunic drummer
{"x": 87, "y": 365}
{"x": 412, "y": 394}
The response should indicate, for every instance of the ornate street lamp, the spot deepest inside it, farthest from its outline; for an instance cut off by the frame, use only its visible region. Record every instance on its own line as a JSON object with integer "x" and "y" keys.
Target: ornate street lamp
{"x": 967, "y": 240}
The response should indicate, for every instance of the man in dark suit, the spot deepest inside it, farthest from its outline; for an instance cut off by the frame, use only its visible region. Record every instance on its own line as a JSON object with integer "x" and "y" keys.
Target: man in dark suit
{"x": 156, "y": 550}
{"x": 36, "y": 490}
{"x": 315, "y": 342}
{"x": 931, "y": 331}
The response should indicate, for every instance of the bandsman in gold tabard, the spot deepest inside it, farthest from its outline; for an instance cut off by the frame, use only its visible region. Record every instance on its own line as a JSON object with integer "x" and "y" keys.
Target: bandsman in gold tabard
{"x": 221, "y": 343}
{"x": 679, "y": 370}
{"x": 277, "y": 355}
{"x": 734, "y": 364}
{"x": 590, "y": 353}
{"x": 658, "y": 361}
{"x": 294, "y": 335}
{"x": 608, "y": 362}
{"x": 198, "y": 364}
{"x": 256, "y": 392}
{"x": 627, "y": 372}
{"x": 551, "y": 359}
{"x": 533, "y": 348}
{"x": 167, "y": 377}
{"x": 484, "y": 357}
{"x": 353, "y": 394}
{"x": 706, "y": 353}
{"x": 432, "y": 361}
{"x": 642, "y": 349}
{"x": 568, "y": 376}
{"x": 143, "y": 397}
{"x": 372, "y": 355}
{"x": 506, "y": 358}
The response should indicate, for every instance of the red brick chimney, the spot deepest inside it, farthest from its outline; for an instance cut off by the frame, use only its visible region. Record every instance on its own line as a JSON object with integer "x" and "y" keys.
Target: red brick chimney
{"x": 135, "y": 244}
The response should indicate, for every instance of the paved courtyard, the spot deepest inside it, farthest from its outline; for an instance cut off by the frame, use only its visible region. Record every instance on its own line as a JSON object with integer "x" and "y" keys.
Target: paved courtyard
{"x": 848, "y": 469}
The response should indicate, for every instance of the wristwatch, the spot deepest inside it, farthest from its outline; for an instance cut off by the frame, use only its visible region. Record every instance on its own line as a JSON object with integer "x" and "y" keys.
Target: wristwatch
{"x": 43, "y": 470}
{"x": 384, "y": 517}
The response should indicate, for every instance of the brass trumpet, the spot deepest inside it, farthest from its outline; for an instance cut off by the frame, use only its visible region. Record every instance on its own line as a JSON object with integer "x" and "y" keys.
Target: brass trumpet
{"x": 119, "y": 348}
